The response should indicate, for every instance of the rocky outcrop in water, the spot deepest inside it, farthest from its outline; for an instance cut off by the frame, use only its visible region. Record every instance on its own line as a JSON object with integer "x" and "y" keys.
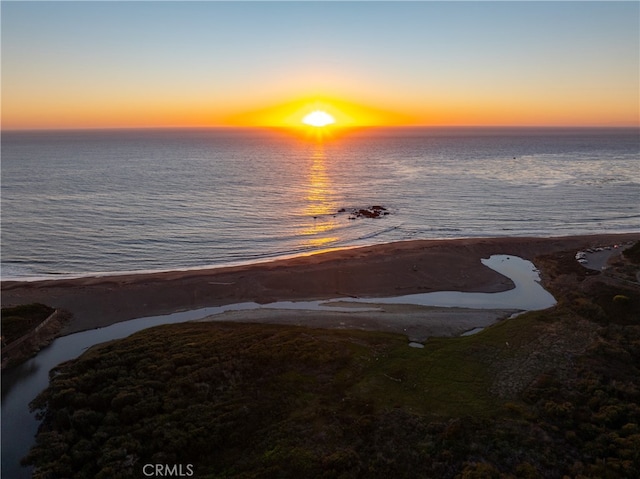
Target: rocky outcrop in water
{"x": 375, "y": 211}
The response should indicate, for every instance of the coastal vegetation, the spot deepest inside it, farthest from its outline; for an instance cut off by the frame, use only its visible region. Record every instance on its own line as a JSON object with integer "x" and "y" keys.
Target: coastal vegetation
{"x": 551, "y": 393}
{"x": 633, "y": 253}
{"x": 20, "y": 320}
{"x": 28, "y": 328}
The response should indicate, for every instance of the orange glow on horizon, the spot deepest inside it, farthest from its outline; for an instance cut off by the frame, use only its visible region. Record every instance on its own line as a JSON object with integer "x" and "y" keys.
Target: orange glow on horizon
{"x": 107, "y": 112}
{"x": 343, "y": 114}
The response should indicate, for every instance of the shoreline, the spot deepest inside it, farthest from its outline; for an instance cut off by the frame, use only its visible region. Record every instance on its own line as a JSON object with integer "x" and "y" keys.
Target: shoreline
{"x": 279, "y": 257}
{"x": 186, "y": 269}
{"x": 399, "y": 268}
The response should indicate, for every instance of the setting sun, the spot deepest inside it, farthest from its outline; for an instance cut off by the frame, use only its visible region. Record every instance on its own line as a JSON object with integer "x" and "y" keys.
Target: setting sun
{"x": 318, "y": 118}
{"x": 353, "y": 78}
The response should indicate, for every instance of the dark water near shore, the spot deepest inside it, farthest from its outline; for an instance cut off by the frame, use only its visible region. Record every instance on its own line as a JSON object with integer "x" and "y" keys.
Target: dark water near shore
{"x": 80, "y": 202}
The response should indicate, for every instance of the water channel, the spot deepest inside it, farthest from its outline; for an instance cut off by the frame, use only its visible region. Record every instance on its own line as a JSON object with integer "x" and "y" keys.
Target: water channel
{"x": 22, "y": 384}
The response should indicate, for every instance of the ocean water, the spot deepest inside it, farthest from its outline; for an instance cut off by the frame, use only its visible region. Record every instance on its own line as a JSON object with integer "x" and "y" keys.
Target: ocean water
{"x": 104, "y": 201}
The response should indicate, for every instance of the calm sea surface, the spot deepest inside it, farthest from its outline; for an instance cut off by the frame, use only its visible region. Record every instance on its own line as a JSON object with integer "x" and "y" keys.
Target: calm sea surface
{"x": 81, "y": 202}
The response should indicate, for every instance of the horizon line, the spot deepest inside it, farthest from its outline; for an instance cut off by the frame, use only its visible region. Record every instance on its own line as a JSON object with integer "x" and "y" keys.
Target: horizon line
{"x": 277, "y": 127}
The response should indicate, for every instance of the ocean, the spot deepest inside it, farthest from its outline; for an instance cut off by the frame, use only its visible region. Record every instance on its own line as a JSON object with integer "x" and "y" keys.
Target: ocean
{"x": 89, "y": 202}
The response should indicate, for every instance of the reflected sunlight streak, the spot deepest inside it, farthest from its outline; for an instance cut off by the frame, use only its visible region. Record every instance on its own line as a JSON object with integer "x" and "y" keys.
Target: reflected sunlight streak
{"x": 320, "y": 207}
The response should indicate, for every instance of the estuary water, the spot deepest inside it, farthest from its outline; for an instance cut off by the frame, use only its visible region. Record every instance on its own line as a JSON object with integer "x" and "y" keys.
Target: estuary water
{"x": 104, "y": 201}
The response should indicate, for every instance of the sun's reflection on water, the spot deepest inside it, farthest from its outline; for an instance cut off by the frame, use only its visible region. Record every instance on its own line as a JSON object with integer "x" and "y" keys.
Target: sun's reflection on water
{"x": 320, "y": 206}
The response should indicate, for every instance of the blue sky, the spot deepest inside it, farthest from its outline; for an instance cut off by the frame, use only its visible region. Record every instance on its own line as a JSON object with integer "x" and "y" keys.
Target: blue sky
{"x": 93, "y": 63}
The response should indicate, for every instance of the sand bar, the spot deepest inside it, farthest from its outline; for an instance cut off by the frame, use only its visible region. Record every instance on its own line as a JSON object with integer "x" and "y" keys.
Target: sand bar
{"x": 418, "y": 323}
{"x": 382, "y": 270}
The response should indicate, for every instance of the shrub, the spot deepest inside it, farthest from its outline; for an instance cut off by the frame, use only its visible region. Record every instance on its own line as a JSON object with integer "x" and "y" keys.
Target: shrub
{"x": 19, "y": 320}
{"x": 633, "y": 253}
{"x": 620, "y": 299}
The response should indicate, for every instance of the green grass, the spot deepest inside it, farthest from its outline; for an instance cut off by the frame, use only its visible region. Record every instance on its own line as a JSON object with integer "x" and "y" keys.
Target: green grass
{"x": 451, "y": 376}
{"x": 444, "y": 378}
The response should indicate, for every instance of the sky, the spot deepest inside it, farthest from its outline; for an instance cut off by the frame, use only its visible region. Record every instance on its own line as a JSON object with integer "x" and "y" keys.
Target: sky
{"x": 167, "y": 64}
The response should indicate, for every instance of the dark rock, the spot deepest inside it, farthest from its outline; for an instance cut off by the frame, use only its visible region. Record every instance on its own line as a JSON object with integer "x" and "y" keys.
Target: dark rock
{"x": 374, "y": 211}
{"x": 368, "y": 213}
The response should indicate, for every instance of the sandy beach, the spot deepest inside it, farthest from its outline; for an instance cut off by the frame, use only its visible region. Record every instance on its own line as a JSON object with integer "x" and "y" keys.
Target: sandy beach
{"x": 382, "y": 270}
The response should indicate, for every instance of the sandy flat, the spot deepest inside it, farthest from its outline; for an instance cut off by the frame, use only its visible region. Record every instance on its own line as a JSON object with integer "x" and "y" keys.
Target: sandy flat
{"x": 418, "y": 323}
{"x": 383, "y": 270}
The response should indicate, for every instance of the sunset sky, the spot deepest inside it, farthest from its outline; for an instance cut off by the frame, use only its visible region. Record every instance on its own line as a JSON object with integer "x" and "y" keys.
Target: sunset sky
{"x": 152, "y": 64}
